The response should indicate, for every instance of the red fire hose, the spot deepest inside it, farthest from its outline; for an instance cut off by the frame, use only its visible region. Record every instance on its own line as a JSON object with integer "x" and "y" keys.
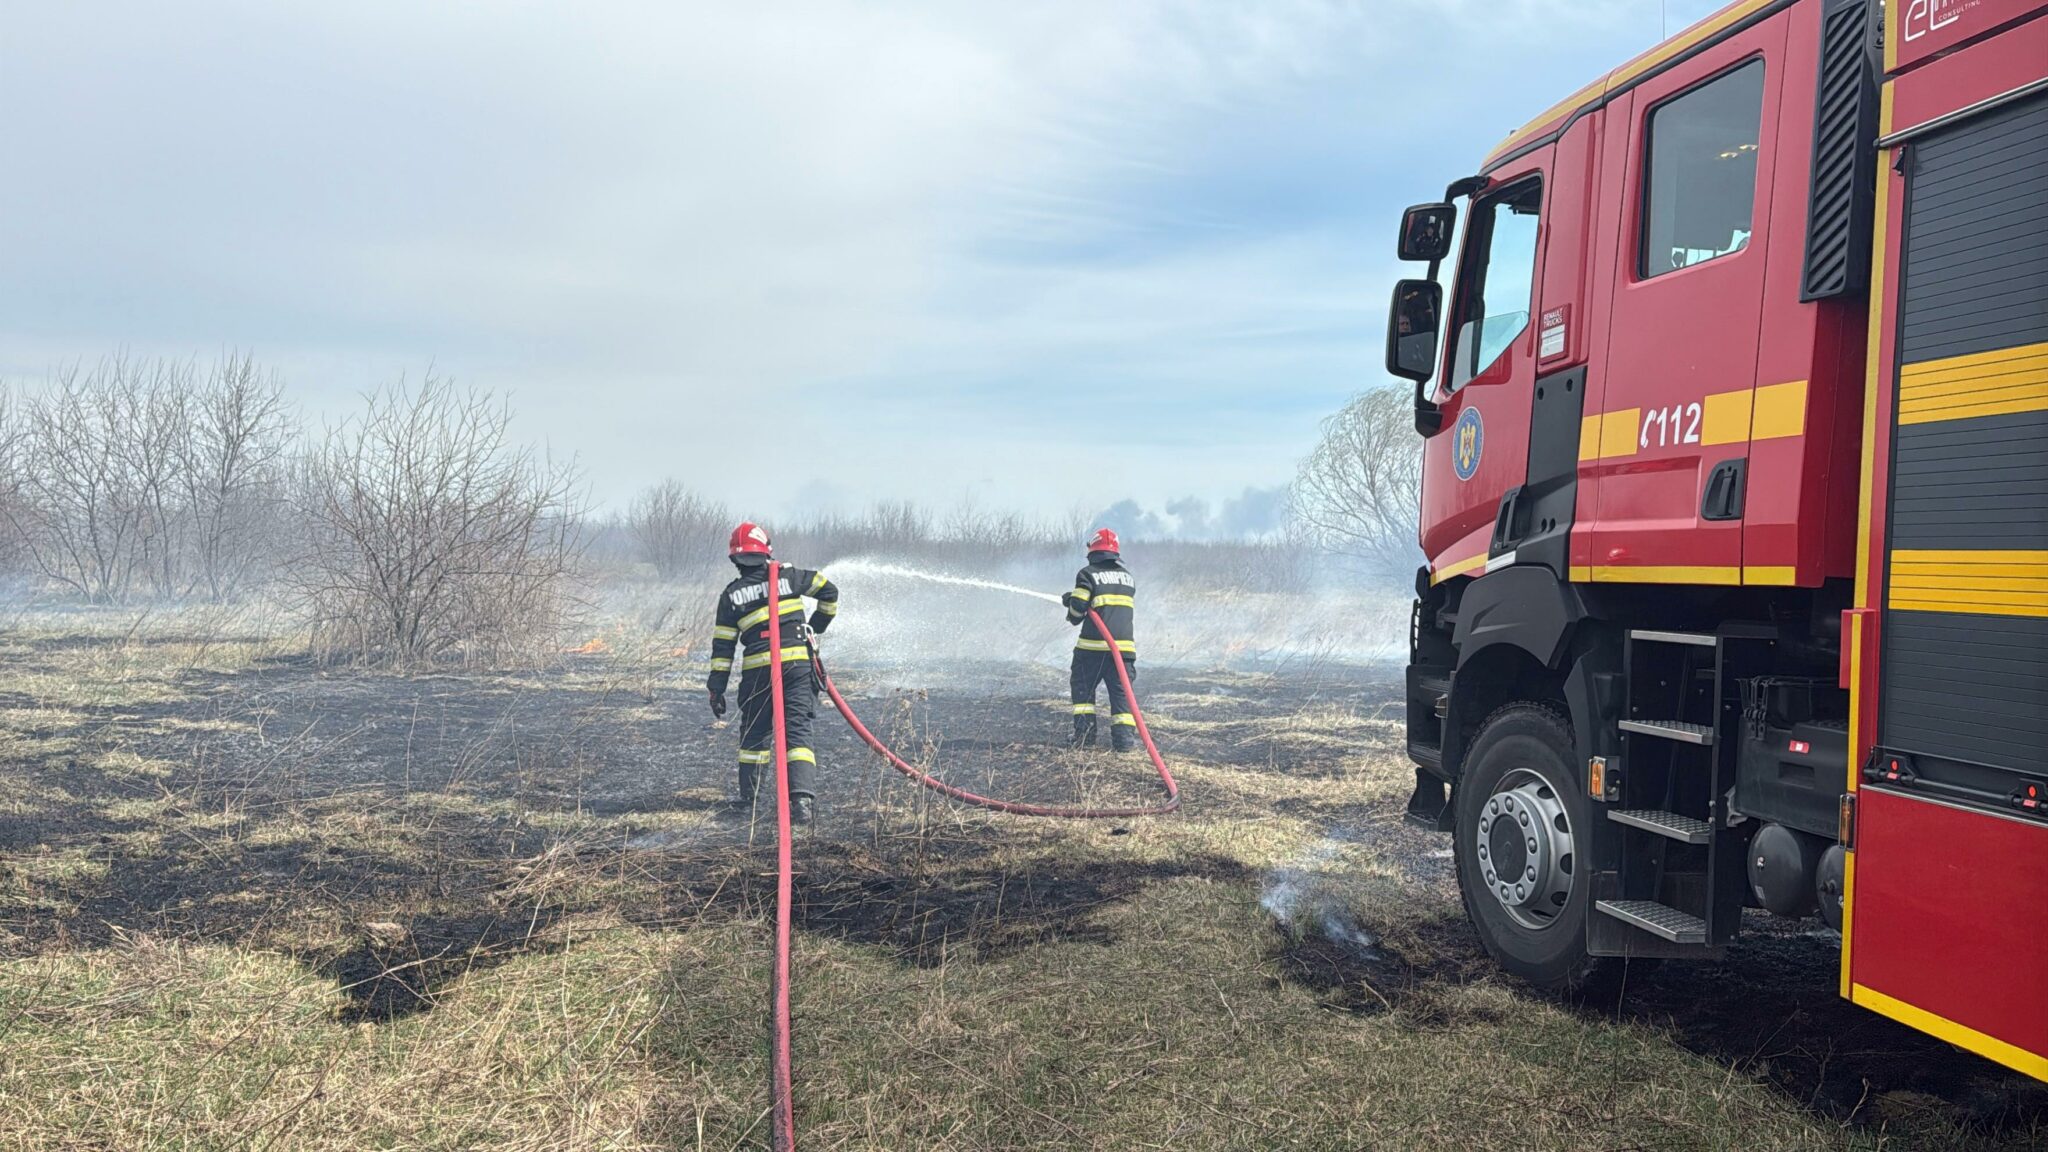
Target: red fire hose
{"x": 781, "y": 1081}
{"x": 780, "y": 1076}
{"x": 944, "y": 789}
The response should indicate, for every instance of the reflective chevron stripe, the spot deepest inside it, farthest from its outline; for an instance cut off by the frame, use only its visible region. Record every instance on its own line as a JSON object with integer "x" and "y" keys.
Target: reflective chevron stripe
{"x": 763, "y": 659}
{"x": 1086, "y": 645}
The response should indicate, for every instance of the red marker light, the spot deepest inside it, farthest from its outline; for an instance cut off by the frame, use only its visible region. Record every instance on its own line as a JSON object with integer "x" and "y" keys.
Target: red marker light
{"x": 1800, "y": 746}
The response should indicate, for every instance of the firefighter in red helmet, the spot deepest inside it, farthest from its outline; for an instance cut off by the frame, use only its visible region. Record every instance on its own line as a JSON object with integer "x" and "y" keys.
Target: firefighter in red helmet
{"x": 1107, "y": 587}
{"x": 741, "y": 626}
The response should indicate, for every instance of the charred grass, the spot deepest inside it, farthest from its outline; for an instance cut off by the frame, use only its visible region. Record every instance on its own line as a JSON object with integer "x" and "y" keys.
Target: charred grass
{"x": 249, "y": 903}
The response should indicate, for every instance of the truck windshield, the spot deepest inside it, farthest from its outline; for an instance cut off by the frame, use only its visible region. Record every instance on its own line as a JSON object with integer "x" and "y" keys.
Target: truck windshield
{"x": 1499, "y": 276}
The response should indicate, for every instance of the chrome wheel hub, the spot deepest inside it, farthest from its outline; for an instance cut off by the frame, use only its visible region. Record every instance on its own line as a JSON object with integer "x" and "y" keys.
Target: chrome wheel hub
{"x": 1524, "y": 849}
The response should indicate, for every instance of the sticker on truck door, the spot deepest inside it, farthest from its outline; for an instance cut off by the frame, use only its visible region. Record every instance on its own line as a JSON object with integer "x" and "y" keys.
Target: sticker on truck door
{"x": 1467, "y": 442}
{"x": 1556, "y": 325}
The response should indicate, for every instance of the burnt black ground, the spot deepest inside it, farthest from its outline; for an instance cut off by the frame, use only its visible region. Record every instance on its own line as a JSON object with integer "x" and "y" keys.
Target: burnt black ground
{"x": 503, "y": 804}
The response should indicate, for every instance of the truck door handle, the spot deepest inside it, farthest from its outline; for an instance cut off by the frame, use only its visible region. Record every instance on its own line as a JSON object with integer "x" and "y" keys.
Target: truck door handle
{"x": 1505, "y": 529}
{"x": 1723, "y": 500}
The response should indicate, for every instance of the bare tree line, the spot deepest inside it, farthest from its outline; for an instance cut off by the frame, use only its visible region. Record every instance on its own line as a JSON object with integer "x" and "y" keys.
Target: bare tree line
{"x": 1355, "y": 495}
{"x": 677, "y": 534}
{"x": 145, "y": 478}
{"x": 418, "y": 530}
{"x": 412, "y": 532}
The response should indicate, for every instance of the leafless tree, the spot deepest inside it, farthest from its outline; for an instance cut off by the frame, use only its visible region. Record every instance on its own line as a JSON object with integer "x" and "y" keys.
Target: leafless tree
{"x": 430, "y": 535}
{"x": 1358, "y": 492}
{"x": 240, "y": 431}
{"x": 156, "y": 400}
{"x": 13, "y": 464}
{"x": 676, "y": 530}
{"x": 84, "y": 509}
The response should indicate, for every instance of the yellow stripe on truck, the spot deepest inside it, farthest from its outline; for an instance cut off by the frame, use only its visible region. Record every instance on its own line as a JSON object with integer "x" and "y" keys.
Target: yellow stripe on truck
{"x": 1618, "y": 432}
{"x": 1866, "y": 473}
{"x": 1962, "y": 1036}
{"x": 1987, "y": 582}
{"x": 1457, "y": 568}
{"x": 1726, "y": 420}
{"x": 1655, "y": 574}
{"x": 1998, "y": 383}
{"x": 1701, "y": 33}
{"x": 1772, "y": 412}
{"x": 1780, "y": 411}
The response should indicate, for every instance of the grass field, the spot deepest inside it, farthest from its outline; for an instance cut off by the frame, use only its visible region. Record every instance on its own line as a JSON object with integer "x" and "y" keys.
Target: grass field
{"x": 246, "y": 902}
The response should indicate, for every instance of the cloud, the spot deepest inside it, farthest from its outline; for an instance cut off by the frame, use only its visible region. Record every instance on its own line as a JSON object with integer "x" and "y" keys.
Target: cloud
{"x": 1042, "y": 252}
{"x": 1249, "y": 514}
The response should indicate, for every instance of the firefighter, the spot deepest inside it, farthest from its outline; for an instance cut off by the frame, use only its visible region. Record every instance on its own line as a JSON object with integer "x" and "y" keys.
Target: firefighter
{"x": 1106, "y": 586}
{"x": 742, "y": 624}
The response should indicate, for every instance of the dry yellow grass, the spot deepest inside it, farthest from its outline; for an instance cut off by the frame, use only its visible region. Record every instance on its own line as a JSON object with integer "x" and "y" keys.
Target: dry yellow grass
{"x": 164, "y": 1045}
{"x": 963, "y": 981}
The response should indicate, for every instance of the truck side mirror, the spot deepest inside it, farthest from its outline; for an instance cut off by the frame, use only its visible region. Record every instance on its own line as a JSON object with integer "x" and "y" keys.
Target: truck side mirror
{"x": 1412, "y": 325}
{"x": 1426, "y": 232}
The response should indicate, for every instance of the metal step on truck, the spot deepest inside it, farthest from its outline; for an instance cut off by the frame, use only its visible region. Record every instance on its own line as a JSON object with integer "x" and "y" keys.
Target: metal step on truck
{"x": 1735, "y": 507}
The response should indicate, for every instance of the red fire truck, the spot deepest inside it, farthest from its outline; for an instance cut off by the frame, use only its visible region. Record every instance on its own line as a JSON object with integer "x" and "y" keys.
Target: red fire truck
{"x": 1735, "y": 507}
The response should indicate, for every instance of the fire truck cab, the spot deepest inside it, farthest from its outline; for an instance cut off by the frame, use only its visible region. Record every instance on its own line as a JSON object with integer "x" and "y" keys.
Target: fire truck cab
{"x": 1735, "y": 508}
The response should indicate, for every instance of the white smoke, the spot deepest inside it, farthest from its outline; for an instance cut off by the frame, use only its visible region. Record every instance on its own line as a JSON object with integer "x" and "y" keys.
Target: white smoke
{"x": 1301, "y": 897}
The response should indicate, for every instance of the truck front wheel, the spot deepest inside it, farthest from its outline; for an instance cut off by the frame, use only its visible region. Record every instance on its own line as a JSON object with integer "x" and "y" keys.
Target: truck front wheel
{"x": 1521, "y": 839}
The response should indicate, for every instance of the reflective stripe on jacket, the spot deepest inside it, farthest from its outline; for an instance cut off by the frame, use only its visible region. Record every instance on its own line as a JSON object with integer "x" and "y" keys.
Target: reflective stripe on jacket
{"x": 1109, "y": 588}
{"x": 741, "y": 624}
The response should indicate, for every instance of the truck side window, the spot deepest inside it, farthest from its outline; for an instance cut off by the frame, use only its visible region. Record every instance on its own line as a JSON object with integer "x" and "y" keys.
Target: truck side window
{"x": 1497, "y": 281}
{"x": 1700, "y": 182}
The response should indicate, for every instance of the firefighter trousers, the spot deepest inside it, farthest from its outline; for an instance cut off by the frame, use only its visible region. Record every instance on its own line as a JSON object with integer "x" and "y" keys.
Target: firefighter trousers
{"x": 1091, "y": 669}
{"x": 757, "y": 729}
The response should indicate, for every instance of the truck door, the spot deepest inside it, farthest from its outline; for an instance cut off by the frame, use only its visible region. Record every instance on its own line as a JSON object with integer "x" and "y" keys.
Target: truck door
{"x": 1486, "y": 379}
{"x": 1682, "y": 332}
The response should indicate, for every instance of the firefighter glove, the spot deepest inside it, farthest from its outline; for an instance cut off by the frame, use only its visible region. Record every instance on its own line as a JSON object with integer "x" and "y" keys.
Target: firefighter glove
{"x": 717, "y": 704}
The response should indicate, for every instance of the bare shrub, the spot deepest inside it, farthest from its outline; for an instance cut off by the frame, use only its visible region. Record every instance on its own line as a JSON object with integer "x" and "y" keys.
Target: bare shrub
{"x": 429, "y": 535}
{"x": 1358, "y": 492}
{"x": 677, "y": 531}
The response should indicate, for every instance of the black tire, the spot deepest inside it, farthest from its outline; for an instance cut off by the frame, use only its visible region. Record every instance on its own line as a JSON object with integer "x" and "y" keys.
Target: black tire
{"x": 1533, "y": 744}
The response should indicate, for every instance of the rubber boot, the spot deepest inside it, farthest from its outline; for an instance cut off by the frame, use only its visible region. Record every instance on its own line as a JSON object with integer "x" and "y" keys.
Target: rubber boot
{"x": 749, "y": 785}
{"x": 802, "y": 810}
{"x": 1084, "y": 732}
{"x": 1123, "y": 738}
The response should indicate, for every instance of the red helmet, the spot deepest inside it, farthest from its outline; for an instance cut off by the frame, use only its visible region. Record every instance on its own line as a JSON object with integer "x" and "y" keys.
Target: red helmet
{"x": 749, "y": 539}
{"x": 1104, "y": 540}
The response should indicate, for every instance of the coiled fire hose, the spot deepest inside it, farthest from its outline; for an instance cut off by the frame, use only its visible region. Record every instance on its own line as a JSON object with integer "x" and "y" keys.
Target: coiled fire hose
{"x": 781, "y": 1081}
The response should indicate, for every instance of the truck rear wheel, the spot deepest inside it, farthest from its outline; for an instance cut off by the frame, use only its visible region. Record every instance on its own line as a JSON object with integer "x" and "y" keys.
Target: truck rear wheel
{"x": 1522, "y": 838}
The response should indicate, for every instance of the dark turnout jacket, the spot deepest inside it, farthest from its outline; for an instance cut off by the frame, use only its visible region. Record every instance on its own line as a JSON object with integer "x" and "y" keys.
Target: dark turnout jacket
{"x": 742, "y": 621}
{"x": 1109, "y": 588}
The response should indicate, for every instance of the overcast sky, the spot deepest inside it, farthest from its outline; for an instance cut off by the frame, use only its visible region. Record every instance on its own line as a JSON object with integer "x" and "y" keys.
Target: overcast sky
{"x": 1041, "y": 254}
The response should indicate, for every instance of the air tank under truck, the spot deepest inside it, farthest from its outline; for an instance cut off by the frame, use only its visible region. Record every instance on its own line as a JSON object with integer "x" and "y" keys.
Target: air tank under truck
{"x": 1735, "y": 509}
